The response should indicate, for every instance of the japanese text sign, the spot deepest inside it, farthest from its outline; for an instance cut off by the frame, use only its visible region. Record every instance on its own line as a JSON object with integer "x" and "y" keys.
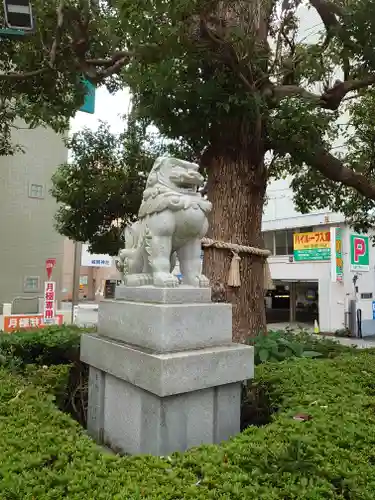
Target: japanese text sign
{"x": 312, "y": 246}
{"x": 49, "y": 309}
{"x": 27, "y": 322}
{"x": 337, "y": 265}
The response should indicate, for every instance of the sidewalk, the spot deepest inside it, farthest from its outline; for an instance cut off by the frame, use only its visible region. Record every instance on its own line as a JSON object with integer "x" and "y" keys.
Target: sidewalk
{"x": 360, "y": 343}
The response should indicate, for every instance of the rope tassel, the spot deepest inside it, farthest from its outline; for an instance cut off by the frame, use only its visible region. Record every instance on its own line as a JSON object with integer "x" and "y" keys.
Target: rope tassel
{"x": 234, "y": 278}
{"x": 268, "y": 283}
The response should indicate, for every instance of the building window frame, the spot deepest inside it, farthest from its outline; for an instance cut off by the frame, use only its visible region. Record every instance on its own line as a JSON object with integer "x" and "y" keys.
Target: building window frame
{"x": 36, "y": 191}
{"x": 31, "y": 284}
{"x": 287, "y": 233}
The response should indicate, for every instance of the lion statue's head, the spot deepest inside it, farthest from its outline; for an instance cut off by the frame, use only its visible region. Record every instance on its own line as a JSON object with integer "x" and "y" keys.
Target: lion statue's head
{"x": 170, "y": 185}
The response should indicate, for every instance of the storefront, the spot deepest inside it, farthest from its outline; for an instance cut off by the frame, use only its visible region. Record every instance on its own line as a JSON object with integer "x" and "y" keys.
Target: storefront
{"x": 329, "y": 267}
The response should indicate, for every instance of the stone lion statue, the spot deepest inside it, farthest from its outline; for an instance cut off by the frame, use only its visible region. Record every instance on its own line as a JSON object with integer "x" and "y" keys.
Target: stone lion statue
{"x": 172, "y": 222}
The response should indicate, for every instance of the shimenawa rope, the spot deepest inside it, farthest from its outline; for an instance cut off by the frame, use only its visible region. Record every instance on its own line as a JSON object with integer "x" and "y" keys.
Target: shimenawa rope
{"x": 234, "y": 278}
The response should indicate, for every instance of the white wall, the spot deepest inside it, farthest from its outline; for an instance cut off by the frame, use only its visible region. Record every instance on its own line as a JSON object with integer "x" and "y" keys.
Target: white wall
{"x": 27, "y": 235}
{"x": 280, "y": 212}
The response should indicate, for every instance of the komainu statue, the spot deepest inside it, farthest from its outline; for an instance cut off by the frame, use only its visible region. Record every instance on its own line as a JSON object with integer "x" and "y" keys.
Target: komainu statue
{"x": 172, "y": 220}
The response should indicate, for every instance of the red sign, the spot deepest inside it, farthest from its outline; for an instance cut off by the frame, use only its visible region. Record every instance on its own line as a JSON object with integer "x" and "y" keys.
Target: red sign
{"x": 50, "y": 264}
{"x": 27, "y": 322}
{"x": 49, "y": 302}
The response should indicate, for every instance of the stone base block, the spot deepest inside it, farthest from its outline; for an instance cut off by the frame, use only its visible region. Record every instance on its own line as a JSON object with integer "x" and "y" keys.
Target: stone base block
{"x": 182, "y": 294}
{"x": 166, "y": 327}
{"x": 170, "y": 373}
{"x": 144, "y": 402}
{"x": 135, "y": 421}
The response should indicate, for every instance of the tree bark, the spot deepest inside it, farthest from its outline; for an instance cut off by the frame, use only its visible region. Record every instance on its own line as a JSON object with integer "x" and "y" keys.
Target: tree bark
{"x": 236, "y": 187}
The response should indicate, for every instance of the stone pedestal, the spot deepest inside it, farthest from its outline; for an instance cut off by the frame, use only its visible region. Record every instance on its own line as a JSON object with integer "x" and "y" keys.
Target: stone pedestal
{"x": 164, "y": 373}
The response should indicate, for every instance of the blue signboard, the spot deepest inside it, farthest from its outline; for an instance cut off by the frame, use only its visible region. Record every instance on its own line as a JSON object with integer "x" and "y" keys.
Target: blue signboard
{"x": 373, "y": 309}
{"x": 89, "y": 102}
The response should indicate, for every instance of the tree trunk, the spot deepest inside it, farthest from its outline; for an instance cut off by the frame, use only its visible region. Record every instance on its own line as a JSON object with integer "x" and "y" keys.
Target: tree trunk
{"x": 236, "y": 187}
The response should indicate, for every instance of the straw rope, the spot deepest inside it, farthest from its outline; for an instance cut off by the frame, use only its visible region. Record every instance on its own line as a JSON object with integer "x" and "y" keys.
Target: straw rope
{"x": 234, "y": 278}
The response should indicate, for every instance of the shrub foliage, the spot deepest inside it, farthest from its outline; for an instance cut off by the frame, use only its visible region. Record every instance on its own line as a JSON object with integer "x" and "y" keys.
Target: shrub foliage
{"x": 328, "y": 454}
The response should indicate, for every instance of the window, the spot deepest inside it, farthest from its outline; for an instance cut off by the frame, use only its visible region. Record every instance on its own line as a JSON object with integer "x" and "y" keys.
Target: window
{"x": 280, "y": 242}
{"x": 36, "y": 191}
{"x": 289, "y": 241}
{"x": 268, "y": 241}
{"x": 32, "y": 284}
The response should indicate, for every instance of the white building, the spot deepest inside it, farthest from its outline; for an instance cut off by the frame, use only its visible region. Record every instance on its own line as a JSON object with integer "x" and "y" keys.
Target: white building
{"x": 308, "y": 289}
{"x": 27, "y": 232}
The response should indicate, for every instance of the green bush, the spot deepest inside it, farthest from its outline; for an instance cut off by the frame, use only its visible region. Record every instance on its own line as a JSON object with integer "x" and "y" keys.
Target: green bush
{"x": 52, "y": 346}
{"x": 48, "y": 346}
{"x": 44, "y": 454}
{"x": 283, "y": 344}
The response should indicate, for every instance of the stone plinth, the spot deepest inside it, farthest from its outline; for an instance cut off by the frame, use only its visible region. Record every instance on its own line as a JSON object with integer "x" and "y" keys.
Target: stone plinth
{"x": 165, "y": 319}
{"x": 164, "y": 374}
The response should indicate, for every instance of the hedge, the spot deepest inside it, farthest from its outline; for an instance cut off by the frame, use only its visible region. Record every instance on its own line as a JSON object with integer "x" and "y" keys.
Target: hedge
{"x": 60, "y": 344}
{"x": 52, "y": 345}
{"x": 328, "y": 452}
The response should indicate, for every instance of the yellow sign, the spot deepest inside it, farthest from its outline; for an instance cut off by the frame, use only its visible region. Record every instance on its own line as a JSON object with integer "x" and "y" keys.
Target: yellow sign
{"x": 312, "y": 246}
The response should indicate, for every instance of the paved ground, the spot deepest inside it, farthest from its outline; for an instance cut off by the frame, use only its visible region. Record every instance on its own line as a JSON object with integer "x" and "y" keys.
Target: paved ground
{"x": 87, "y": 313}
{"x": 294, "y": 326}
{"x": 366, "y": 343}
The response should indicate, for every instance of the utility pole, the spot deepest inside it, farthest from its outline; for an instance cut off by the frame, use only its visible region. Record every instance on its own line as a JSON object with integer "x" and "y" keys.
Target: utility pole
{"x": 76, "y": 274}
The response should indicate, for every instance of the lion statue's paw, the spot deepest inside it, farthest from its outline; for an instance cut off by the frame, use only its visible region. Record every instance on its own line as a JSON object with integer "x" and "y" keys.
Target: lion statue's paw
{"x": 199, "y": 281}
{"x": 203, "y": 281}
{"x": 165, "y": 280}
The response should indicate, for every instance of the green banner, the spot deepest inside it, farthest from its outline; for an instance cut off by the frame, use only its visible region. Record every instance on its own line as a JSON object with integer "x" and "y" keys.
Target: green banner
{"x": 312, "y": 254}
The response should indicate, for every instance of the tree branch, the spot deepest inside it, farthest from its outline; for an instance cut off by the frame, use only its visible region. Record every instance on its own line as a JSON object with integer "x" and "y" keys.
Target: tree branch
{"x": 24, "y": 76}
{"x": 330, "y": 99}
{"x": 58, "y": 34}
{"x": 327, "y": 11}
{"x": 331, "y": 167}
{"x": 15, "y": 76}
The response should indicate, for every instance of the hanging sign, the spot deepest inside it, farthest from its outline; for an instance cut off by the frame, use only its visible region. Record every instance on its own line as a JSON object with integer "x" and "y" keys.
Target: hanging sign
{"x": 89, "y": 99}
{"x": 337, "y": 265}
{"x": 50, "y": 264}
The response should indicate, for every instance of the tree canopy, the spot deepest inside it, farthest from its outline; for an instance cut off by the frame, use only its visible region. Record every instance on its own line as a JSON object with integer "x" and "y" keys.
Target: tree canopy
{"x": 194, "y": 68}
{"x": 100, "y": 189}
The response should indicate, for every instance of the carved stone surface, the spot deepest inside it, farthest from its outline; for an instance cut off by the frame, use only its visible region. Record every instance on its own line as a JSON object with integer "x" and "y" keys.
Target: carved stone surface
{"x": 158, "y": 295}
{"x": 166, "y": 327}
{"x": 172, "y": 221}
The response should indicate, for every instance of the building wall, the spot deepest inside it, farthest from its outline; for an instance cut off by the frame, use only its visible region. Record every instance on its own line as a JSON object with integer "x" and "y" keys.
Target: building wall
{"x": 95, "y": 276}
{"x": 27, "y": 235}
{"x": 280, "y": 217}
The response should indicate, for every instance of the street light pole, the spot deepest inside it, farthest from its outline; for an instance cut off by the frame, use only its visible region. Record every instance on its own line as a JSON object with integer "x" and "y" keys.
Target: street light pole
{"x": 76, "y": 275}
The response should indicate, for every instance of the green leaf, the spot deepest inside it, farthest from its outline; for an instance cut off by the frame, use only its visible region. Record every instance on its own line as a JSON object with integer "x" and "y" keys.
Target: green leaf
{"x": 264, "y": 355}
{"x": 311, "y": 354}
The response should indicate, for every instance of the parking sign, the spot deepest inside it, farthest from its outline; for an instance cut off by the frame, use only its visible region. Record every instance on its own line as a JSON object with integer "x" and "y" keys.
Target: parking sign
{"x": 359, "y": 253}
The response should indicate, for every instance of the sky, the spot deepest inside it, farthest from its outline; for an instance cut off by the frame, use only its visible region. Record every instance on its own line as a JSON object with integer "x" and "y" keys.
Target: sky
{"x": 108, "y": 108}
